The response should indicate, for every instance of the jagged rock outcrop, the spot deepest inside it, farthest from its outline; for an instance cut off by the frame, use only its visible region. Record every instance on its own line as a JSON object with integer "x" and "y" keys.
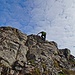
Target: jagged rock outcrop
{"x": 30, "y": 55}
{"x": 12, "y": 46}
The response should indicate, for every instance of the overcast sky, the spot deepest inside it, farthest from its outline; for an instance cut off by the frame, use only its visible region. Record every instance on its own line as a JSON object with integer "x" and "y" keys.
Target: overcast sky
{"x": 56, "y": 17}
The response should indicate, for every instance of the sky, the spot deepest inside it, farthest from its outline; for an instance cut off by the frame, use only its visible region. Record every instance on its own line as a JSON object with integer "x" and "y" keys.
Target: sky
{"x": 56, "y": 17}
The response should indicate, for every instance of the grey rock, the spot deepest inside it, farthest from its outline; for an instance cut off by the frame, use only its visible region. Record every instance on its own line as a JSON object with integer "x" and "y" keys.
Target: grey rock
{"x": 22, "y": 55}
{"x": 12, "y": 45}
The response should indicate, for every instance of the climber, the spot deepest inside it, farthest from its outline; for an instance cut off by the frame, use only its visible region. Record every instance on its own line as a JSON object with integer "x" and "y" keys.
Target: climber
{"x": 43, "y": 35}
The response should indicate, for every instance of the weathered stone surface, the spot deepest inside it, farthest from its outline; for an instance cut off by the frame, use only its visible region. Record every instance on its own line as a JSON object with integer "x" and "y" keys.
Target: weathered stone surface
{"x": 30, "y": 55}
{"x": 21, "y": 55}
{"x": 12, "y": 46}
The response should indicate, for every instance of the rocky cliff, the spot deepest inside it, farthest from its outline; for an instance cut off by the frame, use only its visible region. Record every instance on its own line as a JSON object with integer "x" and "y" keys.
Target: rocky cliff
{"x": 30, "y": 55}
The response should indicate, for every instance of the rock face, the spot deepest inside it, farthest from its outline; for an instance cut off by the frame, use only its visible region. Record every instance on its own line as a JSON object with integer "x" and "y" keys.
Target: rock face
{"x": 30, "y": 55}
{"x": 12, "y": 46}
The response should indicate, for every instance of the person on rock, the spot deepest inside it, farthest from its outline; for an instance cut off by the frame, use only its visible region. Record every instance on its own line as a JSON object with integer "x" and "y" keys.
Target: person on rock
{"x": 43, "y": 35}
